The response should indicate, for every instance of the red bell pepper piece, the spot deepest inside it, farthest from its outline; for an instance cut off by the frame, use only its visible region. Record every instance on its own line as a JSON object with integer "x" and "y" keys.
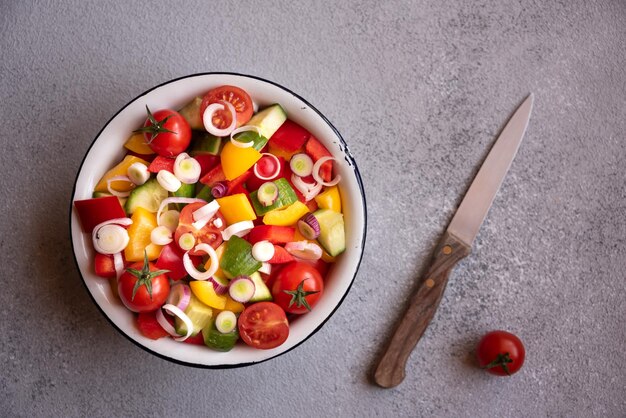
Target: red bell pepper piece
{"x": 104, "y": 266}
{"x": 272, "y": 233}
{"x": 281, "y": 256}
{"x": 91, "y": 212}
{"x": 216, "y": 174}
{"x": 198, "y": 339}
{"x": 237, "y": 183}
{"x": 161, "y": 163}
{"x": 207, "y": 162}
{"x": 150, "y": 327}
{"x": 171, "y": 258}
{"x": 316, "y": 150}
{"x": 288, "y": 139}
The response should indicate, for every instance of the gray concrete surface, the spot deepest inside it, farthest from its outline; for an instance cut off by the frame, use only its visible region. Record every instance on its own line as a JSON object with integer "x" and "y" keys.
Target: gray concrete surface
{"x": 419, "y": 89}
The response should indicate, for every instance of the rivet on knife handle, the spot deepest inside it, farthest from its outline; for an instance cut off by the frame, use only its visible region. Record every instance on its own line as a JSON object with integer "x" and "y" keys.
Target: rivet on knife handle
{"x": 422, "y": 307}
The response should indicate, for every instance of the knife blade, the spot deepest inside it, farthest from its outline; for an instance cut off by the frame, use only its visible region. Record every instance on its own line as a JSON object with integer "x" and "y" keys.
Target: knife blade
{"x": 454, "y": 246}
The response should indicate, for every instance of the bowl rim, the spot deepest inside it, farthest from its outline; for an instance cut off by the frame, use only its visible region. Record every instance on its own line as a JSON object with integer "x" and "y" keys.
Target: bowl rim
{"x": 348, "y": 155}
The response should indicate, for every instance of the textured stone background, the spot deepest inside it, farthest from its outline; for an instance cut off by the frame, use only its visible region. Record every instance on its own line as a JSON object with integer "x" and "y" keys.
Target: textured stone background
{"x": 419, "y": 89}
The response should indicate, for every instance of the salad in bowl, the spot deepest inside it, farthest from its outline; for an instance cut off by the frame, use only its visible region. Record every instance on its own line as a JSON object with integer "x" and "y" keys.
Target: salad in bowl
{"x": 218, "y": 220}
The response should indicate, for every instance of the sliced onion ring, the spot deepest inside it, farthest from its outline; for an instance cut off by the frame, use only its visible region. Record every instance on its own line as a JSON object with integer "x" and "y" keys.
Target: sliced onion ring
{"x": 115, "y": 192}
{"x": 118, "y": 262}
{"x": 116, "y": 221}
{"x": 219, "y": 285}
{"x": 240, "y": 229}
{"x": 274, "y": 174}
{"x": 189, "y": 175}
{"x": 183, "y": 200}
{"x": 161, "y": 235}
{"x": 316, "y": 172}
{"x": 193, "y": 271}
{"x": 173, "y": 310}
{"x": 203, "y": 215}
{"x": 308, "y": 190}
{"x": 304, "y": 250}
{"x": 207, "y": 118}
{"x": 240, "y": 130}
{"x": 179, "y": 296}
{"x": 266, "y": 268}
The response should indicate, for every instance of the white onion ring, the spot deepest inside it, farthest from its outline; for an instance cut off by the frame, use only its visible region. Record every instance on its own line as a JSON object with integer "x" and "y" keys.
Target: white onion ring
{"x": 167, "y": 201}
{"x": 118, "y": 262}
{"x": 115, "y": 192}
{"x": 304, "y": 250}
{"x": 266, "y": 268}
{"x": 316, "y": 172}
{"x": 184, "y": 296}
{"x": 207, "y": 118}
{"x": 308, "y": 190}
{"x": 168, "y": 181}
{"x": 203, "y": 215}
{"x": 138, "y": 173}
{"x": 240, "y": 229}
{"x": 161, "y": 235}
{"x": 240, "y": 130}
{"x": 191, "y": 269}
{"x": 173, "y": 310}
{"x": 116, "y": 221}
{"x": 187, "y": 178}
{"x": 276, "y": 172}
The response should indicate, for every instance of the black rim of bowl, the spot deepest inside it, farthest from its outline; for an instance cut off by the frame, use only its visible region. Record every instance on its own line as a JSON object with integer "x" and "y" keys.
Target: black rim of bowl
{"x": 351, "y": 162}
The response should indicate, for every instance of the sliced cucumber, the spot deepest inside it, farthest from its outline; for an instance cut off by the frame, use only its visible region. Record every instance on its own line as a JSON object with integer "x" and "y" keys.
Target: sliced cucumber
{"x": 199, "y": 313}
{"x": 268, "y": 120}
{"x": 205, "y": 193}
{"x": 204, "y": 143}
{"x": 258, "y": 141}
{"x": 237, "y": 259}
{"x": 286, "y": 196}
{"x": 332, "y": 231}
{"x": 218, "y": 341}
{"x": 261, "y": 291}
{"x": 149, "y": 196}
{"x": 191, "y": 112}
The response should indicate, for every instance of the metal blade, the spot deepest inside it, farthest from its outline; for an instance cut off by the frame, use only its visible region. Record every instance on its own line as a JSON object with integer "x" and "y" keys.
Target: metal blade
{"x": 477, "y": 201}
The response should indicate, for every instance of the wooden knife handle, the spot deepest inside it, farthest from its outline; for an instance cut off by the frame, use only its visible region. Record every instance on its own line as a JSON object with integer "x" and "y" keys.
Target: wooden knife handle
{"x": 422, "y": 307}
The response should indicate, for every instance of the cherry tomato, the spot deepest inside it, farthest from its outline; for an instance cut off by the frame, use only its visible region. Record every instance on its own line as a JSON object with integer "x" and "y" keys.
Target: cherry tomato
{"x": 208, "y": 234}
{"x": 500, "y": 353}
{"x": 150, "y": 327}
{"x": 298, "y": 287}
{"x": 235, "y": 96}
{"x": 263, "y": 325}
{"x": 167, "y": 132}
{"x": 143, "y": 288}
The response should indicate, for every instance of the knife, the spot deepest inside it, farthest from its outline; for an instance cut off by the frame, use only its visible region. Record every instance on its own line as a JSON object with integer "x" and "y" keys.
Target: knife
{"x": 455, "y": 245}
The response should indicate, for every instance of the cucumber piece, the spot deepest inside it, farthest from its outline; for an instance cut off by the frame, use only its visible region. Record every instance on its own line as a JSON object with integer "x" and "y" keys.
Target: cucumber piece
{"x": 105, "y": 194}
{"x": 332, "y": 231}
{"x": 205, "y": 193}
{"x": 218, "y": 341}
{"x": 261, "y": 291}
{"x": 237, "y": 259}
{"x": 268, "y": 120}
{"x": 204, "y": 143}
{"x": 191, "y": 112}
{"x": 286, "y": 196}
{"x": 149, "y": 196}
{"x": 258, "y": 141}
{"x": 199, "y": 313}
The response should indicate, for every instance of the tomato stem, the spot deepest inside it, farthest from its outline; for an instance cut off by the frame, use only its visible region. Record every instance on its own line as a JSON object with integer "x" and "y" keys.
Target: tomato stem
{"x": 299, "y": 295}
{"x": 144, "y": 276}
{"x": 501, "y": 360}
{"x": 155, "y": 127}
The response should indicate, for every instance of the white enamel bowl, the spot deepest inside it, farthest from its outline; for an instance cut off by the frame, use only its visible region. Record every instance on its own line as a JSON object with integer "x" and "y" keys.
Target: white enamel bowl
{"x": 107, "y": 149}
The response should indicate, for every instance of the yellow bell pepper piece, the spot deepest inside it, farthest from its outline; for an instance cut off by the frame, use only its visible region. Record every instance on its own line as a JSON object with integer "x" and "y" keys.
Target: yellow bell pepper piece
{"x": 329, "y": 199}
{"x": 236, "y": 208}
{"x": 137, "y": 143}
{"x": 236, "y": 161}
{"x": 139, "y": 233}
{"x": 233, "y": 305}
{"x": 204, "y": 291}
{"x": 287, "y": 216}
{"x": 119, "y": 170}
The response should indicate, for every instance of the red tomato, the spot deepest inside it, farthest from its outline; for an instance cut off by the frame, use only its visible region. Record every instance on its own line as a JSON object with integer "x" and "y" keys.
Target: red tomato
{"x": 500, "y": 353}
{"x": 298, "y": 287}
{"x": 171, "y": 258}
{"x": 209, "y": 234}
{"x": 235, "y": 96}
{"x": 263, "y": 325}
{"x": 104, "y": 266}
{"x": 143, "y": 288}
{"x": 149, "y": 326}
{"x": 167, "y": 132}
{"x": 197, "y": 339}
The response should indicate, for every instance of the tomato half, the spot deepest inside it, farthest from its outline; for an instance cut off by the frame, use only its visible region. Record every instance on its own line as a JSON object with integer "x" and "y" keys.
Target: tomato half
{"x": 167, "y": 132}
{"x": 208, "y": 234}
{"x": 143, "y": 288}
{"x": 235, "y": 96}
{"x": 500, "y": 353}
{"x": 263, "y": 325}
{"x": 298, "y": 287}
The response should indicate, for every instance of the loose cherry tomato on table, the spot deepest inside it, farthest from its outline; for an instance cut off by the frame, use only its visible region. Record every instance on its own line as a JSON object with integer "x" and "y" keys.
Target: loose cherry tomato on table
{"x": 298, "y": 287}
{"x": 500, "y": 353}
{"x": 167, "y": 132}
{"x": 263, "y": 325}
{"x": 241, "y": 101}
{"x": 143, "y": 288}
{"x": 208, "y": 234}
